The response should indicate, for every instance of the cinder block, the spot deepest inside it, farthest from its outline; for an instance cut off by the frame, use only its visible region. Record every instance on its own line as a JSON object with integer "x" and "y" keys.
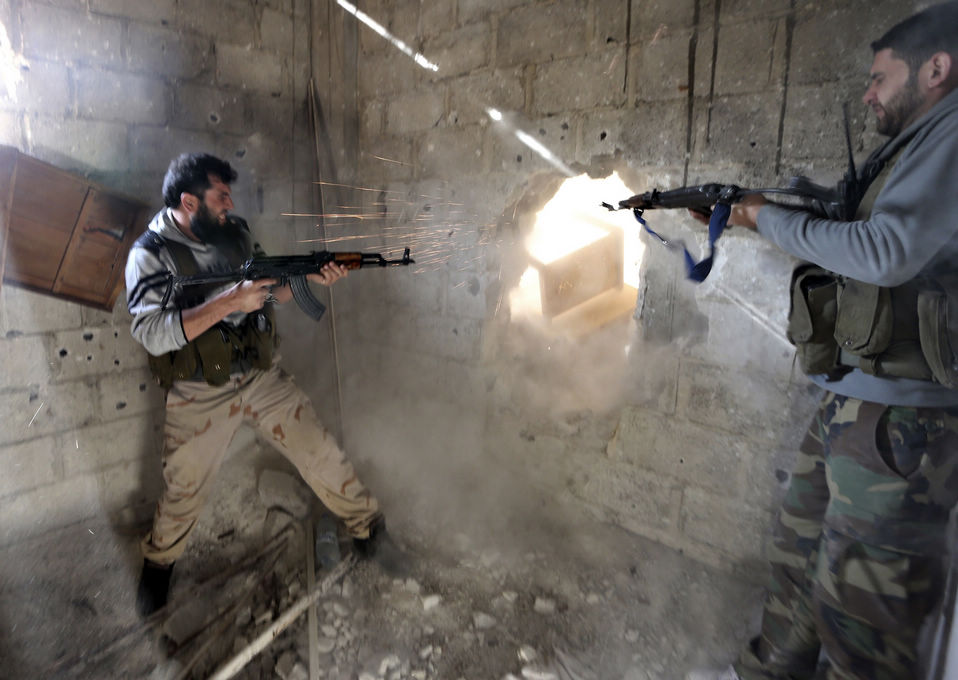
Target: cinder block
{"x": 61, "y": 35}
{"x": 384, "y": 74}
{"x": 534, "y": 34}
{"x": 105, "y": 445}
{"x": 449, "y": 337}
{"x": 683, "y": 450}
{"x": 557, "y": 134}
{"x": 745, "y": 404}
{"x": 814, "y": 127}
{"x": 80, "y": 145}
{"x": 272, "y": 117}
{"x": 207, "y": 18}
{"x": 580, "y": 83}
{"x": 743, "y": 128}
{"x": 751, "y": 57}
{"x": 725, "y": 523}
{"x": 125, "y": 486}
{"x": 460, "y": 51}
{"x": 29, "y": 465}
{"x": 415, "y": 111}
{"x": 276, "y": 30}
{"x": 27, "y": 361}
{"x": 611, "y": 23}
{"x": 832, "y": 44}
{"x": 128, "y": 393}
{"x": 199, "y": 107}
{"x": 467, "y": 295}
{"x": 45, "y": 409}
{"x": 659, "y": 69}
{"x": 655, "y": 19}
{"x": 48, "y": 507}
{"x": 437, "y": 17}
{"x": 44, "y": 87}
{"x": 152, "y": 148}
{"x": 472, "y": 94}
{"x": 478, "y": 10}
{"x": 747, "y": 8}
{"x": 92, "y": 351}
{"x": 158, "y": 50}
{"x": 653, "y": 133}
{"x": 443, "y": 153}
{"x": 633, "y": 499}
{"x": 24, "y": 311}
{"x": 122, "y": 97}
{"x": 248, "y": 69}
{"x": 155, "y": 11}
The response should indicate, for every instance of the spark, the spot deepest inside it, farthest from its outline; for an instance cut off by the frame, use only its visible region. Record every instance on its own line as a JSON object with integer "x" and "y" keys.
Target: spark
{"x": 35, "y": 414}
{"x": 389, "y": 160}
{"x": 381, "y": 30}
{"x": 353, "y": 186}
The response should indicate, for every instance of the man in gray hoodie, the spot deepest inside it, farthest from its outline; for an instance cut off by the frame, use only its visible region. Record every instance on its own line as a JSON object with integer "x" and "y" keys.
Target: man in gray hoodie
{"x": 859, "y": 556}
{"x": 212, "y": 348}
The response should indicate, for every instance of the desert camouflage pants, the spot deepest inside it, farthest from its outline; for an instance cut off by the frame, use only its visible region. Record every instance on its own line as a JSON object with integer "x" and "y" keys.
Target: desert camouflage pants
{"x": 858, "y": 561}
{"x": 200, "y": 423}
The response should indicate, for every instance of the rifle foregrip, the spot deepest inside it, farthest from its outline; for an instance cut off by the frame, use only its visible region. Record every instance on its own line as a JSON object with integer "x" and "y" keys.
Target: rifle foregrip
{"x": 348, "y": 260}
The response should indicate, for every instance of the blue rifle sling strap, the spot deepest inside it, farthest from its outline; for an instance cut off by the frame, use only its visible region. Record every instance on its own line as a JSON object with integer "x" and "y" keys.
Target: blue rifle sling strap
{"x": 696, "y": 271}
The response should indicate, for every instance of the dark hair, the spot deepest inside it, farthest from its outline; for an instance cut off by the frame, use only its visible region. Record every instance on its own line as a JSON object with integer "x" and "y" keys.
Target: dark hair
{"x": 921, "y": 35}
{"x": 190, "y": 173}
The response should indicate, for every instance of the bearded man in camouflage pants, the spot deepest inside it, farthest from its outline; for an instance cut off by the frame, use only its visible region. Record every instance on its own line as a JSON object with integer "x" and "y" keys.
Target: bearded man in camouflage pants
{"x": 859, "y": 559}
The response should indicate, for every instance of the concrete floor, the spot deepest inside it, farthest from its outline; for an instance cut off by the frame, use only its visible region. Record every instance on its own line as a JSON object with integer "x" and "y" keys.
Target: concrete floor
{"x": 468, "y": 606}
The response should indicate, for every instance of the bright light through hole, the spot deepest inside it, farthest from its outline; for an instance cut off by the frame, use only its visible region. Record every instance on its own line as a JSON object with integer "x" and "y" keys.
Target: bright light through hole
{"x": 566, "y": 233}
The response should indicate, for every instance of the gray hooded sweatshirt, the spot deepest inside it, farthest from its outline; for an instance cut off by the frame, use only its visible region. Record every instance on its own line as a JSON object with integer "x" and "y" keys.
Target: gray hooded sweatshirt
{"x": 912, "y": 230}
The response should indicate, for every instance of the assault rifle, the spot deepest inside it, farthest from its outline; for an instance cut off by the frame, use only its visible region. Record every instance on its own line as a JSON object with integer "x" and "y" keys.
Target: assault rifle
{"x": 291, "y": 269}
{"x": 715, "y": 202}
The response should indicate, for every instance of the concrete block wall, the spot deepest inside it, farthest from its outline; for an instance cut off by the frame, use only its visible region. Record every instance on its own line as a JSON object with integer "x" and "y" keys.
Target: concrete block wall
{"x": 680, "y": 423}
{"x": 113, "y": 90}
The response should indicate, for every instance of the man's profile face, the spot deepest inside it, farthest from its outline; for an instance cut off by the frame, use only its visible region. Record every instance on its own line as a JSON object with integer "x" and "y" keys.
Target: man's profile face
{"x": 207, "y": 223}
{"x": 893, "y": 93}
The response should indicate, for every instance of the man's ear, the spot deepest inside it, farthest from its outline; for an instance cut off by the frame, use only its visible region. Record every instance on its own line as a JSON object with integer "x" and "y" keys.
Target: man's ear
{"x": 189, "y": 201}
{"x": 941, "y": 70}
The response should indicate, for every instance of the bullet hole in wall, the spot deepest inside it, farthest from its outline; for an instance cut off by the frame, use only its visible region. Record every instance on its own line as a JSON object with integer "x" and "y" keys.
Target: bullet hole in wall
{"x": 120, "y": 405}
{"x": 603, "y": 135}
{"x": 519, "y": 158}
{"x": 240, "y": 153}
{"x": 142, "y": 387}
{"x": 781, "y": 476}
{"x": 89, "y": 357}
{"x": 116, "y": 362}
{"x": 63, "y": 352}
{"x": 88, "y": 336}
{"x": 214, "y": 118}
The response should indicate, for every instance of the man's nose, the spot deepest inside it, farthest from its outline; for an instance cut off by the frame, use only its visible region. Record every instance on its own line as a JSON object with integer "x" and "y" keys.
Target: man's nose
{"x": 869, "y": 96}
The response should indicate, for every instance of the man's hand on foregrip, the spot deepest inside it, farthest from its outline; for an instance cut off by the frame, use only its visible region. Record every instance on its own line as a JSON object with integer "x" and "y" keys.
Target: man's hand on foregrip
{"x": 329, "y": 274}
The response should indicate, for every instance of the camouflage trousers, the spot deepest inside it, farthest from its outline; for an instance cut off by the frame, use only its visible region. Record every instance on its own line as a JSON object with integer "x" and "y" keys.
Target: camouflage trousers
{"x": 859, "y": 557}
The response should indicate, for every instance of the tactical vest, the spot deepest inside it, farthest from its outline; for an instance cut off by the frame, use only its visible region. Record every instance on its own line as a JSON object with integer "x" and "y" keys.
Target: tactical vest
{"x": 223, "y": 348}
{"x": 838, "y": 324}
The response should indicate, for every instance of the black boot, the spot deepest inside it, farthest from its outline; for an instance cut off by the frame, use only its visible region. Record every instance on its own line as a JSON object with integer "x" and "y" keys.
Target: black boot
{"x": 381, "y": 548}
{"x": 154, "y": 587}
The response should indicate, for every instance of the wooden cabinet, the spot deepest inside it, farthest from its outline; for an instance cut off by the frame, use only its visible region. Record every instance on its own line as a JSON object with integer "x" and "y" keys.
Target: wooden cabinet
{"x": 62, "y": 235}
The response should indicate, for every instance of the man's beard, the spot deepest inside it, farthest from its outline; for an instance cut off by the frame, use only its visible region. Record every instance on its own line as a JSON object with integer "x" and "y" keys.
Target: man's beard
{"x": 900, "y": 108}
{"x": 209, "y": 230}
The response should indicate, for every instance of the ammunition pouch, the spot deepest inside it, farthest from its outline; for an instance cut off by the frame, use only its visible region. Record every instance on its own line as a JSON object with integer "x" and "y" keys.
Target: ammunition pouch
{"x": 938, "y": 328}
{"x": 909, "y": 331}
{"x": 811, "y": 319}
{"x": 219, "y": 351}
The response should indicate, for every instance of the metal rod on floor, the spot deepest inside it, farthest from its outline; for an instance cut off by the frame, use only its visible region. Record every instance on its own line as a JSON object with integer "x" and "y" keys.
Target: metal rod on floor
{"x": 236, "y": 664}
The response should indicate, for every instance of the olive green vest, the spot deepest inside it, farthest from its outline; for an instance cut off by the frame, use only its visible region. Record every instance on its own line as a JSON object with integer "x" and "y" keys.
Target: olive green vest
{"x": 838, "y": 324}
{"x": 220, "y": 350}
